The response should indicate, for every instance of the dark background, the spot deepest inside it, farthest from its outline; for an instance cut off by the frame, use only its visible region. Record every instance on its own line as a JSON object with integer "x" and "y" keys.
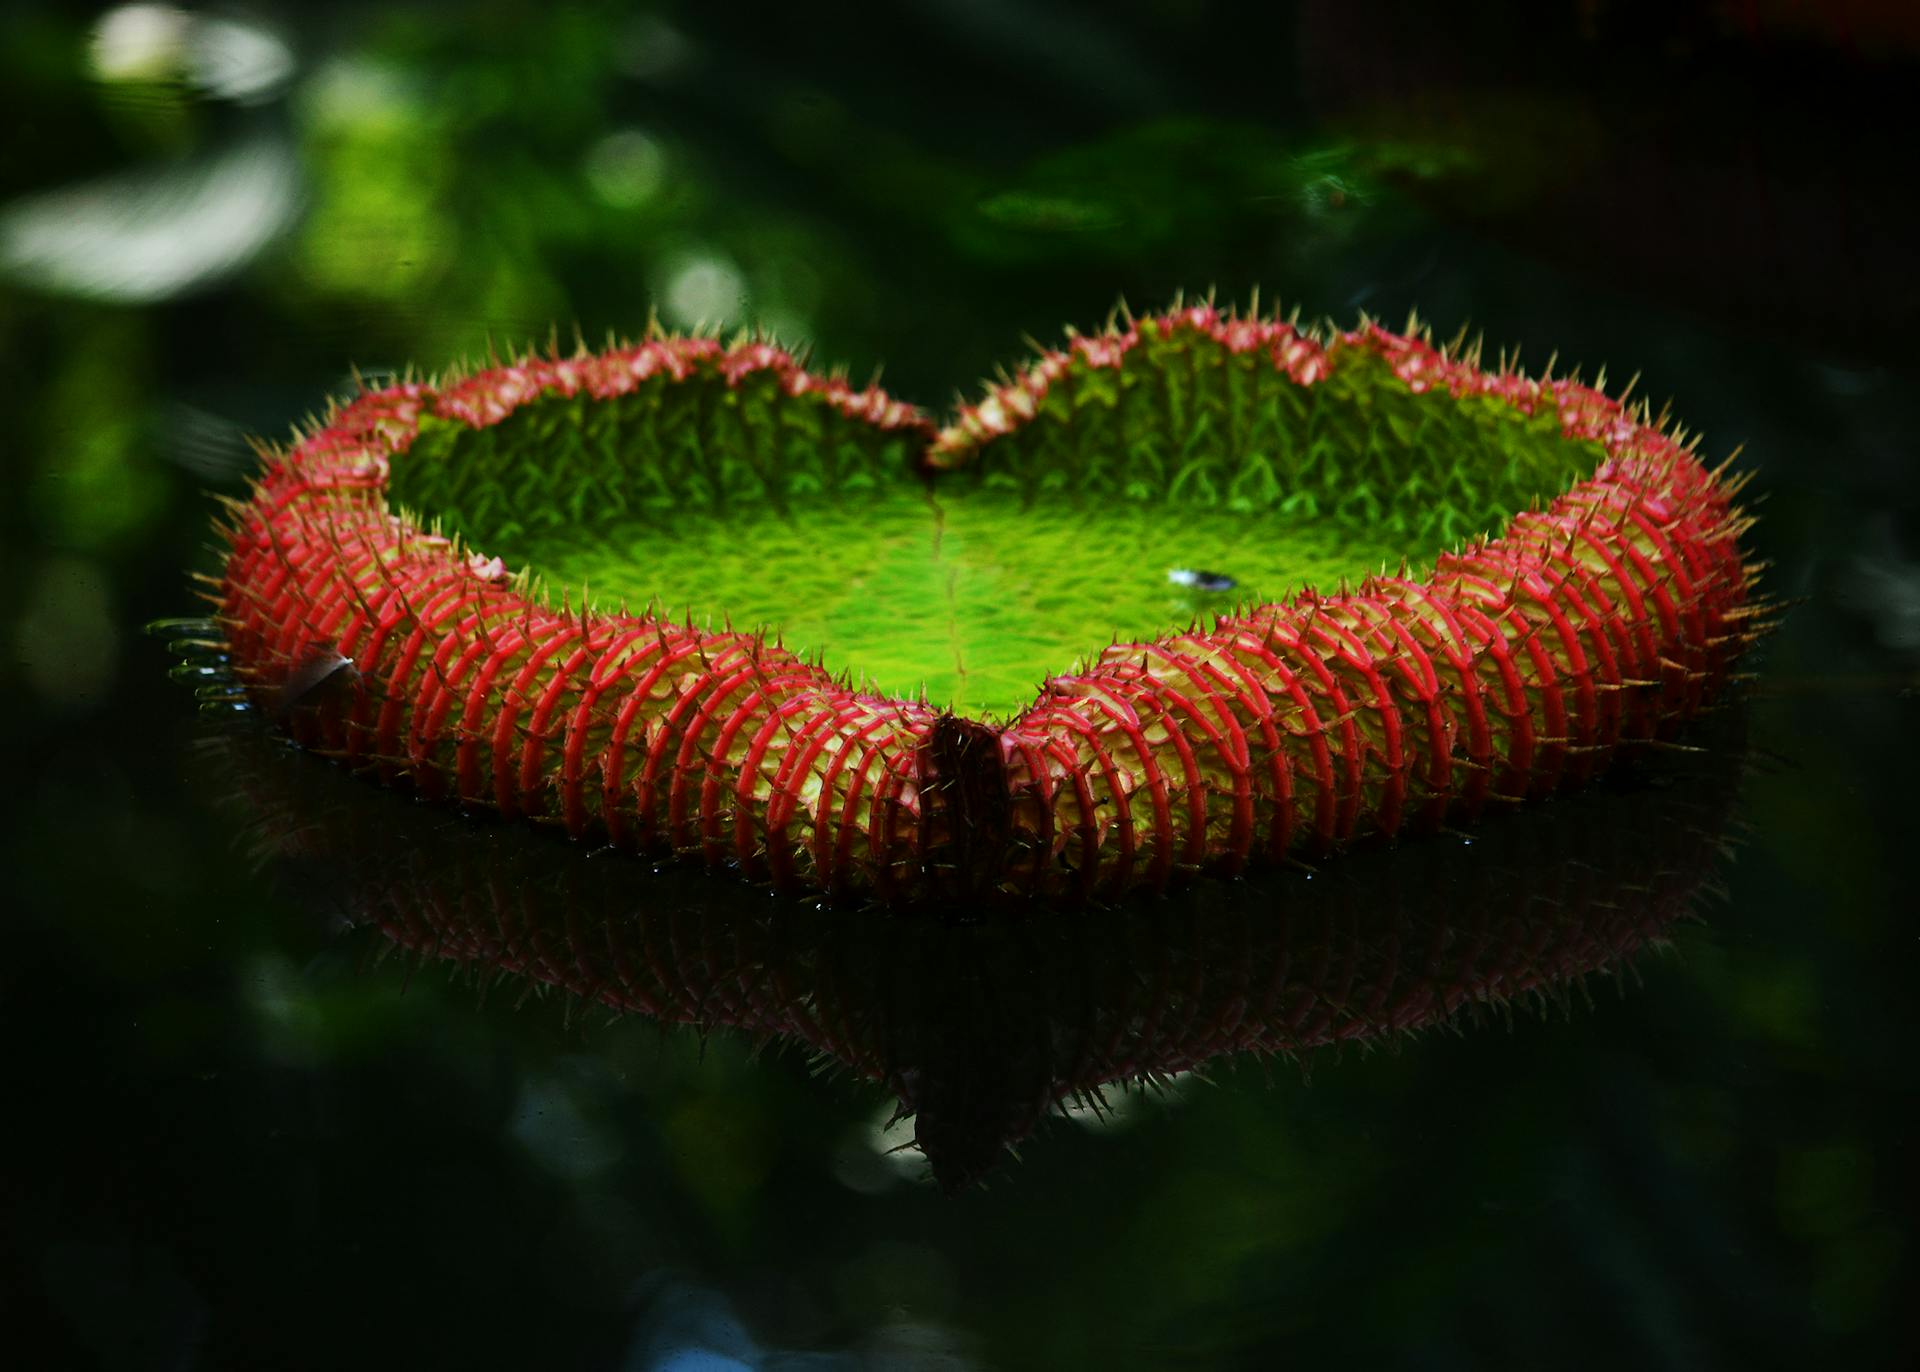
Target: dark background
{"x": 236, "y": 1139}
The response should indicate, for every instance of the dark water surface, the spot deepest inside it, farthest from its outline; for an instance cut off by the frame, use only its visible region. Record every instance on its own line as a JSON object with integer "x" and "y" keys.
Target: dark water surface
{"x": 306, "y": 1074}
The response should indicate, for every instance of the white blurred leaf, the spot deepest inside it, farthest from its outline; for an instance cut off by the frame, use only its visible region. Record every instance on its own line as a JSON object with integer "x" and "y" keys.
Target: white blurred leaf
{"x": 141, "y": 236}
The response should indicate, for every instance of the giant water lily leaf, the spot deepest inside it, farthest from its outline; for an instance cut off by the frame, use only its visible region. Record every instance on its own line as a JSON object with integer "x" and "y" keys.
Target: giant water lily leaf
{"x": 1195, "y": 592}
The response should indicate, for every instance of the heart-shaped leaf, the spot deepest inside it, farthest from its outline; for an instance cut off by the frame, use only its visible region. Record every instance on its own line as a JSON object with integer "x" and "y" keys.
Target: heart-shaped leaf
{"x": 804, "y": 633}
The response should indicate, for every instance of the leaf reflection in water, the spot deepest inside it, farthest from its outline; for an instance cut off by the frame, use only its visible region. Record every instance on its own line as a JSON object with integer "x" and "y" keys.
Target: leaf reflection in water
{"x": 984, "y": 1027}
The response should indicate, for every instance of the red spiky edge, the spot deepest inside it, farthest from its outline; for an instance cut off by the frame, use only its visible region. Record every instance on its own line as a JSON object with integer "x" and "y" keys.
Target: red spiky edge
{"x": 1520, "y": 665}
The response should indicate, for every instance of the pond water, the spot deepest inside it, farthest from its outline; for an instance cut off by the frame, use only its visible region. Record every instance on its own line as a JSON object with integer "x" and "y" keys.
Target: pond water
{"x": 307, "y": 1072}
